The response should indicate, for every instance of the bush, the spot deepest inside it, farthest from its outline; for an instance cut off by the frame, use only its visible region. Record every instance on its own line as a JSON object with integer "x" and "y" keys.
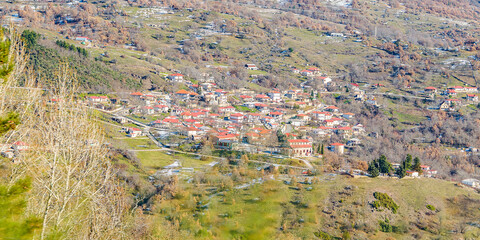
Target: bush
{"x": 325, "y": 236}
{"x": 385, "y": 226}
{"x": 430, "y": 207}
{"x": 383, "y": 200}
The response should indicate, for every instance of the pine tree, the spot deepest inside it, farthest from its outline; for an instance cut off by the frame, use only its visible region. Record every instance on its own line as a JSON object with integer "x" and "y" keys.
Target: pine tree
{"x": 383, "y": 165}
{"x": 401, "y": 172}
{"x": 322, "y": 149}
{"x": 417, "y": 165}
{"x": 407, "y": 164}
{"x": 373, "y": 170}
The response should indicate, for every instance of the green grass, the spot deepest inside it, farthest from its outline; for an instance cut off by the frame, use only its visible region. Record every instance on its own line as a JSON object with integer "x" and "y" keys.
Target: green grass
{"x": 154, "y": 160}
{"x": 139, "y": 143}
{"x": 258, "y": 211}
{"x": 244, "y": 109}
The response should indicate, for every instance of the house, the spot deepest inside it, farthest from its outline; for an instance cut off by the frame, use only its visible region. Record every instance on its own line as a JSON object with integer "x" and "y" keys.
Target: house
{"x": 348, "y": 115}
{"x": 449, "y": 104}
{"x": 412, "y": 173}
{"x": 299, "y": 148}
{"x": 20, "y": 146}
{"x": 354, "y": 142}
{"x": 176, "y": 77}
{"x": 451, "y": 92}
{"x": 332, "y": 109}
{"x": 237, "y": 117}
{"x": 358, "y": 129}
{"x": 134, "y": 132}
{"x": 430, "y": 90}
{"x": 262, "y": 98}
{"x": 275, "y": 96}
{"x": 303, "y": 117}
{"x": 261, "y": 107}
{"x": 119, "y": 119}
{"x": 94, "y": 99}
{"x": 346, "y": 132}
{"x": 275, "y": 115}
{"x": 251, "y": 66}
{"x": 314, "y": 70}
{"x": 185, "y": 94}
{"x": 191, "y": 132}
{"x": 337, "y": 148}
{"x": 296, "y": 71}
{"x": 325, "y": 80}
{"x": 147, "y": 110}
{"x": 322, "y": 116}
{"x": 225, "y": 141}
{"x": 253, "y": 117}
{"x": 472, "y": 97}
{"x": 475, "y": 183}
{"x": 306, "y": 73}
{"x": 300, "y": 105}
{"x": 246, "y": 98}
{"x": 224, "y": 110}
{"x": 136, "y": 94}
{"x": 83, "y": 39}
{"x": 161, "y": 108}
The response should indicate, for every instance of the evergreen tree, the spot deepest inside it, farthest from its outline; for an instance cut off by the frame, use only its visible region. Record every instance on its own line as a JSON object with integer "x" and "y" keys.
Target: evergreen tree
{"x": 417, "y": 165}
{"x": 30, "y": 38}
{"x": 383, "y": 165}
{"x": 322, "y": 149}
{"x": 6, "y": 66}
{"x": 407, "y": 164}
{"x": 372, "y": 169}
{"x": 401, "y": 172}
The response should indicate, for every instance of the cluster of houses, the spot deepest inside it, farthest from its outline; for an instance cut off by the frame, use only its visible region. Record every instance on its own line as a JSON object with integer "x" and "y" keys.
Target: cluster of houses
{"x": 452, "y": 94}
{"x": 243, "y": 118}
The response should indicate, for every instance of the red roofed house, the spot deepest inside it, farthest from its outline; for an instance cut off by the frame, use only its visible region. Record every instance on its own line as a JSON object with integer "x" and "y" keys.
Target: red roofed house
{"x": 20, "y": 146}
{"x": 176, "y": 77}
{"x": 275, "y": 114}
{"x": 331, "y": 109}
{"x": 225, "y": 141}
{"x": 472, "y": 97}
{"x": 298, "y": 148}
{"x": 430, "y": 89}
{"x": 136, "y": 94}
{"x": 93, "y": 99}
{"x": 191, "y": 132}
{"x": 262, "y": 98}
{"x": 306, "y": 73}
{"x": 237, "y": 117}
{"x": 161, "y": 108}
{"x": 251, "y": 66}
{"x": 246, "y": 98}
{"x": 450, "y": 104}
{"x": 275, "y": 96}
{"x": 148, "y": 110}
{"x": 134, "y": 132}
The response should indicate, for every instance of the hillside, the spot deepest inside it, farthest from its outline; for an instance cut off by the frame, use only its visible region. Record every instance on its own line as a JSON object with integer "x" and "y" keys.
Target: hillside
{"x": 149, "y": 119}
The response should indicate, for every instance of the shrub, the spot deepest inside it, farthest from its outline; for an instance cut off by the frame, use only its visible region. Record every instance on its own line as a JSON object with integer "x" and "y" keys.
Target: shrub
{"x": 325, "y": 236}
{"x": 385, "y": 226}
{"x": 383, "y": 200}
{"x": 430, "y": 207}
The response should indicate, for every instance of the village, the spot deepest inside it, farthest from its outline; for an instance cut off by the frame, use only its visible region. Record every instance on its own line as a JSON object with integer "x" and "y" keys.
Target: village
{"x": 293, "y": 123}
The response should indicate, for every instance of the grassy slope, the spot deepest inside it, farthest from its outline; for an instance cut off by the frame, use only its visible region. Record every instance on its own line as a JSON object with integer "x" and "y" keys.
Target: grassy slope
{"x": 257, "y": 212}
